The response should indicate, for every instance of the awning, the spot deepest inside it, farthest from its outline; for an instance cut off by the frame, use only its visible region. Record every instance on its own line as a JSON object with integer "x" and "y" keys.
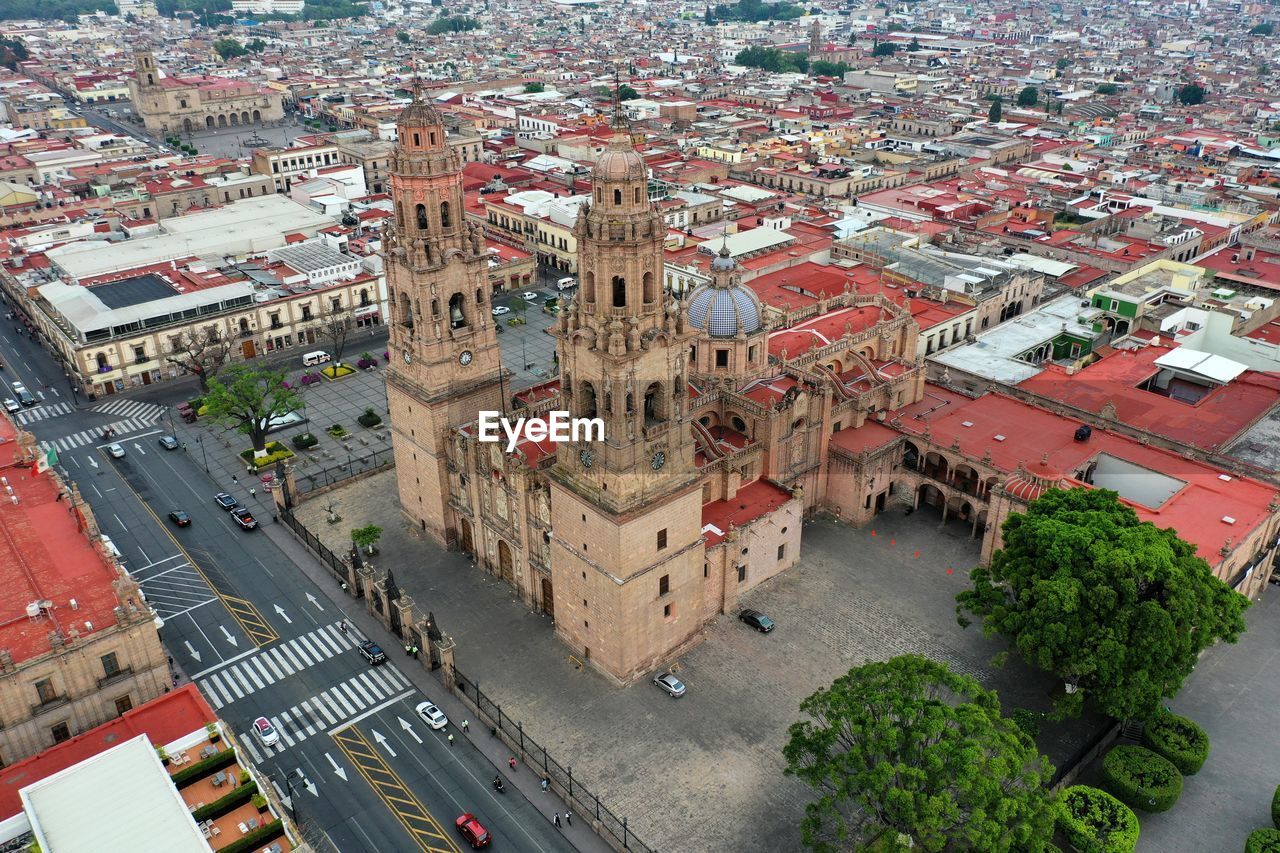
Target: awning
{"x": 365, "y": 311}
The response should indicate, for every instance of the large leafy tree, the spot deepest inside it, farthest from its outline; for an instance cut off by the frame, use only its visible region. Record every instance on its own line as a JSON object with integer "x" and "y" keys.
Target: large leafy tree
{"x": 1028, "y": 96}
{"x": 1118, "y": 608}
{"x": 248, "y": 398}
{"x": 997, "y": 110}
{"x": 334, "y": 327}
{"x": 907, "y": 747}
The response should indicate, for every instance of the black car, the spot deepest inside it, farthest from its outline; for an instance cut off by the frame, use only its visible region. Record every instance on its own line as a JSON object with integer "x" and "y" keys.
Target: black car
{"x": 180, "y": 518}
{"x": 169, "y": 442}
{"x": 244, "y": 518}
{"x": 372, "y": 652}
{"x": 225, "y": 501}
{"x": 756, "y": 620}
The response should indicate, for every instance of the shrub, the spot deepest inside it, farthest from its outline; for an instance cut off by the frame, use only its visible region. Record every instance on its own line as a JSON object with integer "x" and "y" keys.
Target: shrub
{"x": 230, "y": 802}
{"x": 366, "y": 363}
{"x": 1093, "y": 821}
{"x": 1263, "y": 841}
{"x": 260, "y": 837}
{"x": 1142, "y": 778}
{"x": 275, "y": 452}
{"x": 1275, "y": 807}
{"x": 1028, "y": 721}
{"x": 217, "y": 761}
{"x": 1178, "y": 739}
{"x": 337, "y": 431}
{"x": 370, "y": 418}
{"x": 259, "y": 802}
{"x": 310, "y": 378}
{"x": 304, "y": 440}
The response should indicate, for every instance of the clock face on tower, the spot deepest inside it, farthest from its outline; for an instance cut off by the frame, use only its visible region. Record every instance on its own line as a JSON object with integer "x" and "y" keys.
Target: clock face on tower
{"x": 586, "y": 458}
{"x": 464, "y": 357}
{"x": 408, "y": 356}
{"x": 659, "y": 459}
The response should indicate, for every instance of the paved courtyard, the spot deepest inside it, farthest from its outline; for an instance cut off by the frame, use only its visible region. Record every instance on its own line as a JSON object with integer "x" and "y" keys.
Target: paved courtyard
{"x": 703, "y": 772}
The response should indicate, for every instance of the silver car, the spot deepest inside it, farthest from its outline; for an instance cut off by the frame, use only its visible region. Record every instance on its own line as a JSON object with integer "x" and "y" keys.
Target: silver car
{"x": 668, "y": 682}
{"x": 116, "y": 451}
{"x": 431, "y": 715}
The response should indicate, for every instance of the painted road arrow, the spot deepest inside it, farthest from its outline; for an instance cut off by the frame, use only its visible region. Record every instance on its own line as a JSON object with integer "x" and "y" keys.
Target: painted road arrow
{"x": 312, "y": 599}
{"x": 382, "y": 741}
{"x": 230, "y": 639}
{"x": 404, "y": 724}
{"x": 191, "y": 650}
{"x": 283, "y": 615}
{"x": 342, "y": 774}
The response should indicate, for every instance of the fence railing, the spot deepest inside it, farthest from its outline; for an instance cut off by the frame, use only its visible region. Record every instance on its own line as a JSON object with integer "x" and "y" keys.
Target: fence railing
{"x": 610, "y": 827}
{"x": 334, "y": 563}
{"x": 338, "y": 467}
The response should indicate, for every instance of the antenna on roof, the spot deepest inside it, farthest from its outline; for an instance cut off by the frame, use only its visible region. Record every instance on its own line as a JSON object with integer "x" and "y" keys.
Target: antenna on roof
{"x": 619, "y": 121}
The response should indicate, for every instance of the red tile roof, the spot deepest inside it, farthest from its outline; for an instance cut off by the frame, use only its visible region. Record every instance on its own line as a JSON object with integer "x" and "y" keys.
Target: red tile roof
{"x": 751, "y": 502}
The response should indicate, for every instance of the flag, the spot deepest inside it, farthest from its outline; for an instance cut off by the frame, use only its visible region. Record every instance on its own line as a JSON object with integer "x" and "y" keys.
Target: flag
{"x": 46, "y": 460}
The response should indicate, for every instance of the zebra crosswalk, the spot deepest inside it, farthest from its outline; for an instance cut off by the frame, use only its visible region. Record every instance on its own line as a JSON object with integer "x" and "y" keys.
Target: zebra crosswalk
{"x": 48, "y": 410}
{"x": 124, "y": 408}
{"x": 94, "y": 436}
{"x": 276, "y": 663}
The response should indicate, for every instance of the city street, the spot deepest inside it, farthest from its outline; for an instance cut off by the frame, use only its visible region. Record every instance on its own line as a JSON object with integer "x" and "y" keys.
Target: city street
{"x": 260, "y": 639}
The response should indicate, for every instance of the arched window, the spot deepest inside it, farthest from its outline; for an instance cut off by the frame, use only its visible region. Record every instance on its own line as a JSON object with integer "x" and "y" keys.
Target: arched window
{"x": 479, "y": 296}
{"x": 435, "y": 307}
{"x": 655, "y": 406}
{"x": 617, "y": 196}
{"x": 599, "y": 195}
{"x": 457, "y": 319}
{"x": 445, "y": 221}
{"x": 406, "y": 311}
{"x": 636, "y": 192}
{"x": 589, "y": 287}
{"x": 649, "y": 295}
{"x": 422, "y": 217}
{"x": 619, "y": 292}
{"x": 417, "y": 140}
{"x": 588, "y": 397}
{"x": 151, "y": 79}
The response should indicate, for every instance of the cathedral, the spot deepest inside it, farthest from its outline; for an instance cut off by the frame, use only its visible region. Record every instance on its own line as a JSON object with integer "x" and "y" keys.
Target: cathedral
{"x": 717, "y": 417}
{"x": 186, "y": 104}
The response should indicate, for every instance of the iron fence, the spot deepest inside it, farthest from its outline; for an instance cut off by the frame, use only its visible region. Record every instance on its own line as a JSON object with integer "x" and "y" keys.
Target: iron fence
{"x": 560, "y": 777}
{"x": 328, "y": 467}
{"x": 334, "y": 563}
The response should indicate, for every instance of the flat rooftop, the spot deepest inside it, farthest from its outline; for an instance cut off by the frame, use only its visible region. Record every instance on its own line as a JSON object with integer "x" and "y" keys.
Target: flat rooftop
{"x": 133, "y": 291}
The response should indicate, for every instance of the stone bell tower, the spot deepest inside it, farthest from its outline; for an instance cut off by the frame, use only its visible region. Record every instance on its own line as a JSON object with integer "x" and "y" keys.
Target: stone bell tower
{"x": 627, "y": 553}
{"x": 446, "y": 365}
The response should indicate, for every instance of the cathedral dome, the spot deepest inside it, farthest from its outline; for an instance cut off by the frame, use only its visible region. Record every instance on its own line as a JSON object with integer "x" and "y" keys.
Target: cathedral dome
{"x": 620, "y": 162}
{"x": 724, "y": 311}
{"x": 419, "y": 114}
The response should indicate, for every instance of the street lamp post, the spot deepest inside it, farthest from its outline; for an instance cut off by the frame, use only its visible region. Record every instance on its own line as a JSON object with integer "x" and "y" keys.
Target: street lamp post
{"x": 203, "y": 454}
{"x": 288, "y": 784}
{"x": 75, "y": 392}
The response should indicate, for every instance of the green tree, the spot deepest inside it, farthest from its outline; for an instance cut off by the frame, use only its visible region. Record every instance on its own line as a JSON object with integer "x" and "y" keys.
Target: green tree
{"x": 534, "y": 88}
{"x": 13, "y": 51}
{"x": 1263, "y": 29}
{"x": 997, "y": 110}
{"x": 1117, "y": 608}
{"x": 1191, "y": 94}
{"x": 452, "y": 25}
{"x": 909, "y": 747}
{"x": 229, "y": 48}
{"x": 626, "y": 93}
{"x": 256, "y": 46}
{"x": 1063, "y": 63}
{"x": 1107, "y": 89}
{"x": 202, "y": 355}
{"x": 914, "y": 46}
{"x": 247, "y": 398}
{"x": 403, "y": 37}
{"x": 823, "y": 68}
{"x": 1028, "y": 96}
{"x": 885, "y": 48}
{"x": 366, "y": 537}
{"x": 772, "y": 59}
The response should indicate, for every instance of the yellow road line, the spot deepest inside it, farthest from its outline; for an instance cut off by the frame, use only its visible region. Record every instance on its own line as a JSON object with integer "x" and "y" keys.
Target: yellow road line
{"x": 391, "y": 789}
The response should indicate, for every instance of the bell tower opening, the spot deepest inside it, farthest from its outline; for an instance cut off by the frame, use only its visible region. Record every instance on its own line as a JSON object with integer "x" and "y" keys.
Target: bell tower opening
{"x": 588, "y": 397}
{"x": 422, "y": 218}
{"x": 444, "y": 215}
{"x": 619, "y": 292}
{"x": 457, "y": 317}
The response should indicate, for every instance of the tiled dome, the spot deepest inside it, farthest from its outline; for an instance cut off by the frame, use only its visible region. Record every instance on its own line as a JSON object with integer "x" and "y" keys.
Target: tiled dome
{"x": 723, "y": 312}
{"x": 620, "y": 162}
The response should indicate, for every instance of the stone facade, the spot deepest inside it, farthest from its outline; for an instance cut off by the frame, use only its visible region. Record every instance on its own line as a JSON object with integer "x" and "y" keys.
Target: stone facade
{"x": 173, "y": 104}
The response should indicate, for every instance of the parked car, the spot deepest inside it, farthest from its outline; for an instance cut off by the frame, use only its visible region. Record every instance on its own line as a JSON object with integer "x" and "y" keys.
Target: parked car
{"x": 265, "y": 732}
{"x": 529, "y": 295}
{"x": 244, "y": 518}
{"x": 668, "y": 682}
{"x": 225, "y": 501}
{"x": 499, "y": 310}
{"x": 372, "y": 652}
{"x": 180, "y": 518}
{"x": 472, "y": 830}
{"x": 169, "y": 442}
{"x": 756, "y": 620}
{"x": 116, "y": 451}
{"x": 11, "y": 405}
{"x": 431, "y": 715}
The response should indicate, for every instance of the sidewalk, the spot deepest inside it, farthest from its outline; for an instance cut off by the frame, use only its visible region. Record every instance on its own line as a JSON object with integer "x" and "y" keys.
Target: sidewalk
{"x": 524, "y": 781}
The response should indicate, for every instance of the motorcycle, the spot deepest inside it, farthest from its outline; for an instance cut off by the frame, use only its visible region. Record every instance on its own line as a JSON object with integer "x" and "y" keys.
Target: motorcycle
{"x": 498, "y": 786}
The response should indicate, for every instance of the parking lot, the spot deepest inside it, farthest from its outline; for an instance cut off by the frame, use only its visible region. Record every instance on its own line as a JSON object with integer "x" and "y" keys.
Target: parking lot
{"x": 704, "y": 772}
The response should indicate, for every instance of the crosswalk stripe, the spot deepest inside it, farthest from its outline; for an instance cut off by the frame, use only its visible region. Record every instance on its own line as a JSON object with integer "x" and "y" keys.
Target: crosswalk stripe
{"x": 227, "y": 698}
{"x": 340, "y": 699}
{"x": 284, "y": 732}
{"x": 348, "y": 693}
{"x": 304, "y": 714}
{"x": 252, "y": 675}
{"x": 317, "y": 651}
{"x": 382, "y": 681}
{"x": 328, "y": 634}
{"x": 278, "y": 657}
{"x": 247, "y": 742}
{"x": 214, "y": 699}
{"x": 398, "y": 678}
{"x": 232, "y": 685}
{"x": 287, "y": 652}
{"x": 268, "y": 661}
{"x": 359, "y": 685}
{"x": 295, "y": 647}
{"x": 322, "y": 707}
{"x": 257, "y": 663}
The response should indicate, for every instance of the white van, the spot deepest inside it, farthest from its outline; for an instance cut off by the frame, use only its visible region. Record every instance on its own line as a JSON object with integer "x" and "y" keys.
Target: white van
{"x": 566, "y": 283}
{"x": 317, "y": 357}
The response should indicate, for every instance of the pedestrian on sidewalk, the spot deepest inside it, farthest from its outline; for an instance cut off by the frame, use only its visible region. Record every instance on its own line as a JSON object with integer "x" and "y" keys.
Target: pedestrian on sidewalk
{"x": 450, "y": 738}
{"x": 568, "y": 818}
{"x": 511, "y": 762}
{"x": 556, "y": 819}
{"x": 465, "y": 727}
{"x": 408, "y": 650}
{"x": 546, "y": 783}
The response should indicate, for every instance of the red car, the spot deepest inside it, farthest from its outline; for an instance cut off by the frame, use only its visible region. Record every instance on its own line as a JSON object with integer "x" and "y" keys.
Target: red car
{"x": 477, "y": 836}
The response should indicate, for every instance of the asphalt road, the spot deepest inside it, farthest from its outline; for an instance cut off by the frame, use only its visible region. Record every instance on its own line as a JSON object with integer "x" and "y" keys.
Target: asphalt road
{"x": 260, "y": 639}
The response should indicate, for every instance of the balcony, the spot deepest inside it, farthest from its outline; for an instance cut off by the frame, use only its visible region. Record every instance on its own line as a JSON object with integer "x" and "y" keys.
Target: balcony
{"x": 49, "y": 705}
{"x": 119, "y": 675}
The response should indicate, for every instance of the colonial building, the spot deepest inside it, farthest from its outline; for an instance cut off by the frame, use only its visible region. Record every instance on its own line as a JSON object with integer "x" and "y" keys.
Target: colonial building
{"x": 184, "y": 104}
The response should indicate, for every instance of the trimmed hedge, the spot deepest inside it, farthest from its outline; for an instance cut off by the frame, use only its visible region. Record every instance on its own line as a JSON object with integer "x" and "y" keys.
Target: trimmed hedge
{"x": 1141, "y": 778}
{"x": 214, "y": 762}
{"x": 275, "y": 452}
{"x": 1263, "y": 841}
{"x": 1178, "y": 739}
{"x": 369, "y": 419}
{"x": 1093, "y": 821}
{"x": 260, "y": 837}
{"x": 222, "y": 805}
{"x": 303, "y": 440}
{"x": 1275, "y": 807}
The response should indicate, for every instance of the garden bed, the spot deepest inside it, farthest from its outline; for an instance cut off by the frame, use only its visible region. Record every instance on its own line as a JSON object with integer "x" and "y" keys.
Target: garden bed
{"x": 334, "y": 372}
{"x": 275, "y": 452}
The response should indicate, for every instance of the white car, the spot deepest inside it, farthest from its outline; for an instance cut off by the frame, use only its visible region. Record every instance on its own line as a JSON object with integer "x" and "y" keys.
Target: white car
{"x": 265, "y": 732}
{"x": 529, "y": 295}
{"x": 431, "y": 715}
{"x": 499, "y": 310}
{"x": 116, "y": 451}
{"x": 11, "y": 405}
